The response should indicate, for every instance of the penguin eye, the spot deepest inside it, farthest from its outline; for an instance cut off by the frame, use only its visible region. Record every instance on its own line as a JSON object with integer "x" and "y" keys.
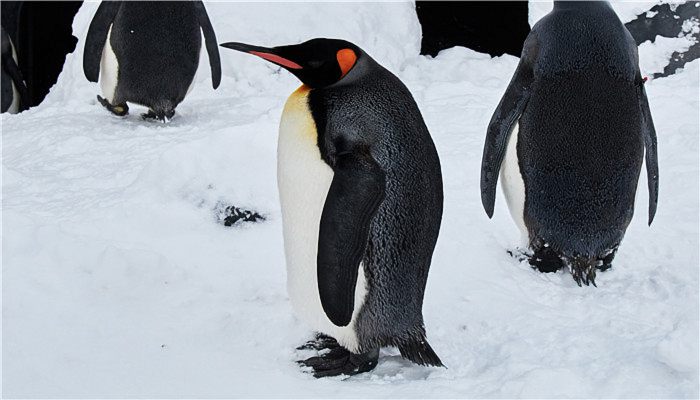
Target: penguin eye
{"x": 316, "y": 63}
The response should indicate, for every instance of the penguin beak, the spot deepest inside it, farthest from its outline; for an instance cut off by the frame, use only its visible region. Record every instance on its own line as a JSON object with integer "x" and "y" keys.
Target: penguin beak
{"x": 269, "y": 54}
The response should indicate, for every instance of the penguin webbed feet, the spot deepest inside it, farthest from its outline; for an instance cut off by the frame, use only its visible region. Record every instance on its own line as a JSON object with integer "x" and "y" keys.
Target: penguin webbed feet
{"x": 340, "y": 361}
{"x": 605, "y": 263}
{"x": 163, "y": 117}
{"x": 119, "y": 110}
{"x": 336, "y": 360}
{"x": 582, "y": 268}
{"x": 545, "y": 259}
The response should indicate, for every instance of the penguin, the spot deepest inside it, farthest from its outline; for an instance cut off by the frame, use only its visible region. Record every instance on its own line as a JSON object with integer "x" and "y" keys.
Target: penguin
{"x": 15, "y": 95}
{"x": 568, "y": 139}
{"x": 361, "y": 195}
{"x": 147, "y": 52}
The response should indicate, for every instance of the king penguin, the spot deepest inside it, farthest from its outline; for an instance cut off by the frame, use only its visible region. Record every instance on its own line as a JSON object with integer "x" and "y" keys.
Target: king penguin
{"x": 361, "y": 194}
{"x": 569, "y": 137}
{"x": 147, "y": 52}
{"x": 15, "y": 96}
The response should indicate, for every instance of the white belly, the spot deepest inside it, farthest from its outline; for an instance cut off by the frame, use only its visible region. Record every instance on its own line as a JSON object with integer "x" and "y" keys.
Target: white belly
{"x": 109, "y": 68}
{"x": 513, "y": 185}
{"x": 303, "y": 179}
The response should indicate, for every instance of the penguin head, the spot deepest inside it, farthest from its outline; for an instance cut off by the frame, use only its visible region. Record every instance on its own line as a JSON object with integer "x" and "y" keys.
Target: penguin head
{"x": 317, "y": 63}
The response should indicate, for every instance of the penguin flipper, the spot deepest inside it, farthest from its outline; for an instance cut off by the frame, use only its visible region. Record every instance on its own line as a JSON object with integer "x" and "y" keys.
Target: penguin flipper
{"x": 12, "y": 69}
{"x": 650, "y": 152}
{"x": 211, "y": 44}
{"x": 96, "y": 38}
{"x": 510, "y": 107}
{"x": 357, "y": 190}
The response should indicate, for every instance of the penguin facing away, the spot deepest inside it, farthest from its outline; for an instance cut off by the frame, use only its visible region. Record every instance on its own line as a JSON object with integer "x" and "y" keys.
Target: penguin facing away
{"x": 569, "y": 137}
{"x": 15, "y": 96}
{"x": 147, "y": 52}
{"x": 361, "y": 194}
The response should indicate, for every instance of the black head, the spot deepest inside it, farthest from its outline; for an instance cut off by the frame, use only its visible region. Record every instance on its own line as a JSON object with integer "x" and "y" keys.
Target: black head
{"x": 580, "y": 5}
{"x": 317, "y": 63}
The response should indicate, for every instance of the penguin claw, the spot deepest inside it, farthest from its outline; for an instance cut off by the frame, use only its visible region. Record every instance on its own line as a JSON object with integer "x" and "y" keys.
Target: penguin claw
{"x": 320, "y": 343}
{"x": 323, "y": 360}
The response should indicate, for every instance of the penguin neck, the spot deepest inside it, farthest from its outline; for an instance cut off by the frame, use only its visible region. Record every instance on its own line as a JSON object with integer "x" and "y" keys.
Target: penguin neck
{"x": 362, "y": 66}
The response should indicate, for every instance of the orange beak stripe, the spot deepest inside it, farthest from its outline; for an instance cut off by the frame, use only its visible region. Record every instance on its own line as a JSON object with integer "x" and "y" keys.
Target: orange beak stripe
{"x": 346, "y": 60}
{"x": 277, "y": 59}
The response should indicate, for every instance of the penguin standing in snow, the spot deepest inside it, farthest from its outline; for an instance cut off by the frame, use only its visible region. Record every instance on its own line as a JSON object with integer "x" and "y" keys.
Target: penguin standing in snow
{"x": 569, "y": 137}
{"x": 147, "y": 52}
{"x": 15, "y": 96}
{"x": 361, "y": 194}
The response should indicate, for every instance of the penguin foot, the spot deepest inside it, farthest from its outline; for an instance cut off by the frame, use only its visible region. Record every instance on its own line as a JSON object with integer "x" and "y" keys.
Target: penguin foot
{"x": 321, "y": 342}
{"x": 119, "y": 110}
{"x": 545, "y": 259}
{"x": 341, "y": 361}
{"x": 605, "y": 263}
{"x": 162, "y": 117}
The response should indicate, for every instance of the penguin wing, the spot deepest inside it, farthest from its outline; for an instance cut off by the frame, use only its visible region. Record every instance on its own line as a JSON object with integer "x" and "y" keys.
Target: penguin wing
{"x": 96, "y": 38}
{"x": 509, "y": 109}
{"x": 354, "y": 196}
{"x": 210, "y": 42}
{"x": 650, "y": 151}
{"x": 12, "y": 69}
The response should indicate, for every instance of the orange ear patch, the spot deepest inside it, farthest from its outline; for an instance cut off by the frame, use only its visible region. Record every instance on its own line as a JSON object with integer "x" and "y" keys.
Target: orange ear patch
{"x": 346, "y": 60}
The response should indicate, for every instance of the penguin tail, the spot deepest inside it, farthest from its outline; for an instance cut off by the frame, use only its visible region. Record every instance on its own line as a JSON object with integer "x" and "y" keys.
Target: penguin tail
{"x": 162, "y": 110}
{"x": 419, "y": 351}
{"x": 583, "y": 270}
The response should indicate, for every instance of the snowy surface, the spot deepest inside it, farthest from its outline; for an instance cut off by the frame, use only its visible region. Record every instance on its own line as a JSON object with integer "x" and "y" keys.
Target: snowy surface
{"x": 117, "y": 280}
{"x": 653, "y": 57}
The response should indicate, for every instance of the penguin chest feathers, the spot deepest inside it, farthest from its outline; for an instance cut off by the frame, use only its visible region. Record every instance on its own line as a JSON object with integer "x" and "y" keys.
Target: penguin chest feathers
{"x": 513, "y": 184}
{"x": 303, "y": 180}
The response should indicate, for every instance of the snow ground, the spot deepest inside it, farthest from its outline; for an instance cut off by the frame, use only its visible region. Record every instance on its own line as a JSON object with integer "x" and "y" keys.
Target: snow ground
{"x": 118, "y": 282}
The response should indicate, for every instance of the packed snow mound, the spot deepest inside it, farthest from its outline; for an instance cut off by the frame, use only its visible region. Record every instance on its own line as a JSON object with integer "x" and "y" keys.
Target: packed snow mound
{"x": 120, "y": 281}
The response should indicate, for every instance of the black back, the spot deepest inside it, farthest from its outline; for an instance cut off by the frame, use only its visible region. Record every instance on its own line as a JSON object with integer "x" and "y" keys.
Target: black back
{"x": 156, "y": 62}
{"x": 157, "y": 45}
{"x": 371, "y": 112}
{"x": 580, "y": 142}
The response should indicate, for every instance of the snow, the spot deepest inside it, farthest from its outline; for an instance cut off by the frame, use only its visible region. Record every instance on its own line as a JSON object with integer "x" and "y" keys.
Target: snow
{"x": 654, "y": 57}
{"x": 118, "y": 282}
